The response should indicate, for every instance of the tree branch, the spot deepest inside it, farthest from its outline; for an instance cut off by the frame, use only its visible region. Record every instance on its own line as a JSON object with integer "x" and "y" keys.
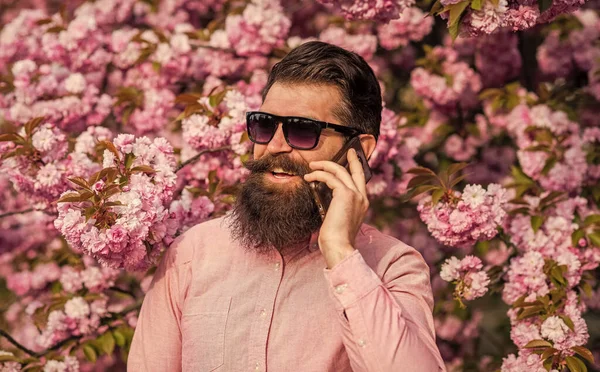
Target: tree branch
{"x": 7, "y": 214}
{"x": 124, "y": 291}
{"x": 136, "y": 306}
{"x": 16, "y": 344}
{"x": 198, "y": 155}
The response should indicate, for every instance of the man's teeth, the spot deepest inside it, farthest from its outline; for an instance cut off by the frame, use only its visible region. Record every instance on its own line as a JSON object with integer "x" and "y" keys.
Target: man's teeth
{"x": 281, "y": 172}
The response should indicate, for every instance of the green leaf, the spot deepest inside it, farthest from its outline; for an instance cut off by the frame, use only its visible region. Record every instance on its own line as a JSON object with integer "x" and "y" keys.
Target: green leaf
{"x": 436, "y": 8}
{"x": 476, "y": 4}
{"x": 568, "y": 322}
{"x": 71, "y": 197}
{"x": 437, "y": 195}
{"x": 456, "y": 11}
{"x": 575, "y": 364}
{"x": 215, "y": 99}
{"x": 536, "y": 223}
{"x": 421, "y": 180}
{"x": 8, "y": 358}
{"x": 544, "y": 5}
{"x": 548, "y": 353}
{"x": 458, "y": 179}
{"x": 584, "y": 352}
{"x": 577, "y": 234}
{"x": 420, "y": 170}
{"x": 550, "y": 163}
{"x": 129, "y": 158}
{"x": 453, "y": 30}
{"x": 143, "y": 168}
{"x": 107, "y": 342}
{"x": 10, "y": 137}
{"x": 595, "y": 239}
{"x": 456, "y": 167}
{"x": 538, "y": 343}
{"x": 90, "y": 353}
{"x": 119, "y": 338}
{"x": 80, "y": 182}
{"x": 530, "y": 311}
{"x": 557, "y": 275}
{"x": 591, "y": 219}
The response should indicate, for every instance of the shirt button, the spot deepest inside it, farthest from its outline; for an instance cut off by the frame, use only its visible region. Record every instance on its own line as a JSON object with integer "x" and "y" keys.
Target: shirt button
{"x": 340, "y": 288}
{"x": 277, "y": 266}
{"x": 361, "y": 343}
{"x": 257, "y": 366}
{"x": 263, "y": 313}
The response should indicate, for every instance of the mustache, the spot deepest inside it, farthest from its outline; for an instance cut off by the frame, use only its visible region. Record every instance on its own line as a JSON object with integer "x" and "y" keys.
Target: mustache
{"x": 269, "y": 162}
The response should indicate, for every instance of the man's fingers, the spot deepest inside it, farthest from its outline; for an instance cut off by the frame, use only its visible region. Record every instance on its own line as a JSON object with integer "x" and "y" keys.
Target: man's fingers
{"x": 336, "y": 170}
{"x": 357, "y": 172}
{"x": 325, "y": 177}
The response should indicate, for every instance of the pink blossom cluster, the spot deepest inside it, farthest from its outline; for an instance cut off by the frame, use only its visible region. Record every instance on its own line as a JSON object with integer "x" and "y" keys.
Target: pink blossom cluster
{"x": 552, "y": 328}
{"x": 560, "y": 55}
{"x": 203, "y": 131}
{"x": 475, "y": 216}
{"x": 69, "y": 364}
{"x": 364, "y": 44}
{"x": 471, "y": 281}
{"x": 55, "y": 74}
{"x": 143, "y": 224}
{"x": 41, "y": 174}
{"x": 591, "y": 141}
{"x": 497, "y": 58}
{"x": 456, "y": 85}
{"x": 28, "y": 281}
{"x": 394, "y": 150}
{"x": 568, "y": 172}
{"x": 260, "y": 28}
{"x": 463, "y": 149}
{"x": 8, "y": 365}
{"x": 551, "y": 241}
{"x": 517, "y": 15}
{"x": 94, "y": 279}
{"x": 413, "y": 25}
{"x": 378, "y": 10}
{"x": 78, "y": 318}
{"x": 190, "y": 211}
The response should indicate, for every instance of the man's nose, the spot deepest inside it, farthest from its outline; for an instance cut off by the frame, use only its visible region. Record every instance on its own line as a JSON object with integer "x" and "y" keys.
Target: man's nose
{"x": 278, "y": 143}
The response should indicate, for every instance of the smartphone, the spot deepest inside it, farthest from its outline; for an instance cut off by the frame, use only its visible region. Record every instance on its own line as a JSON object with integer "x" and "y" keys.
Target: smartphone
{"x": 321, "y": 192}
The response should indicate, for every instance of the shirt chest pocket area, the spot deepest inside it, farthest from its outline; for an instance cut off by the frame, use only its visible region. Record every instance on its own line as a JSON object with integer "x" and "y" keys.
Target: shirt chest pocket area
{"x": 203, "y": 325}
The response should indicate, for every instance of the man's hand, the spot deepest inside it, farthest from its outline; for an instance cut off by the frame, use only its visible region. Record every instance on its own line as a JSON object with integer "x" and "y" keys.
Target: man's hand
{"x": 348, "y": 206}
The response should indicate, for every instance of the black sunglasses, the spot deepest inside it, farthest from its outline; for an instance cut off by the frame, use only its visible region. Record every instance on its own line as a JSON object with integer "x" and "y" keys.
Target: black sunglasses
{"x": 300, "y": 133}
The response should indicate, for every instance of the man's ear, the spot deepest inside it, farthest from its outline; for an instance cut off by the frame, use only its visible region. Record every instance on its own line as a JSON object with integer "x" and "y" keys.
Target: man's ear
{"x": 368, "y": 143}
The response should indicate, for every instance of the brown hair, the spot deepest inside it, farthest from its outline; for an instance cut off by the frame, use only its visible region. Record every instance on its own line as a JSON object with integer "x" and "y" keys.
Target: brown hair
{"x": 317, "y": 62}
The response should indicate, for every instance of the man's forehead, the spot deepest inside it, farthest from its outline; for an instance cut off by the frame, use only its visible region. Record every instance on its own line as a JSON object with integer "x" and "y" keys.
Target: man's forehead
{"x": 306, "y": 100}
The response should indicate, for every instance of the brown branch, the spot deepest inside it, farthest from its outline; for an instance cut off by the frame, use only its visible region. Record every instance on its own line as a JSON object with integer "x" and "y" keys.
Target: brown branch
{"x": 124, "y": 291}
{"x": 7, "y": 214}
{"x": 135, "y": 306}
{"x": 16, "y": 344}
{"x": 198, "y": 155}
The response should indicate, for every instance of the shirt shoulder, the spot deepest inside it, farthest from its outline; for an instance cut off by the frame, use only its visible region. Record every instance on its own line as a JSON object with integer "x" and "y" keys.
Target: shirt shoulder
{"x": 191, "y": 243}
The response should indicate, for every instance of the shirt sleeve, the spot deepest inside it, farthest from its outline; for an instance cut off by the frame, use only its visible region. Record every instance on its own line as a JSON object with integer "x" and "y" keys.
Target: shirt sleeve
{"x": 386, "y": 322}
{"x": 156, "y": 344}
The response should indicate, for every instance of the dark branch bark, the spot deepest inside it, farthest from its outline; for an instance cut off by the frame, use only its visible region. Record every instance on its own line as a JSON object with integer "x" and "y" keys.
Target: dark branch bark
{"x": 7, "y": 214}
{"x": 16, "y": 344}
{"x": 197, "y": 156}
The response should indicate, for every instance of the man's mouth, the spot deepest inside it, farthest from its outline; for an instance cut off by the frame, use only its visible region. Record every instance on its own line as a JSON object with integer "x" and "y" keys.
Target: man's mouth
{"x": 281, "y": 174}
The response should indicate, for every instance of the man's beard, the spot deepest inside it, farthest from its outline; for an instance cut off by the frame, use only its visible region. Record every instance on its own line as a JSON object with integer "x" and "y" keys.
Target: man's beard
{"x": 267, "y": 215}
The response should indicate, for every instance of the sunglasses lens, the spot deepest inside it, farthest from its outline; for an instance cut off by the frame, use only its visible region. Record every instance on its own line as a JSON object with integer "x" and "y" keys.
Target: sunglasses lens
{"x": 261, "y": 127}
{"x": 303, "y": 134}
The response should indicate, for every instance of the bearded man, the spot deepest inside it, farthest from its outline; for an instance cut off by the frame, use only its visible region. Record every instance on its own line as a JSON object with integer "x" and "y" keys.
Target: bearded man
{"x": 274, "y": 287}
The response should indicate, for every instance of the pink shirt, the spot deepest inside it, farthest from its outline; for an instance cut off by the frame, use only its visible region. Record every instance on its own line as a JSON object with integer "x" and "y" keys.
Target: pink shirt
{"x": 214, "y": 306}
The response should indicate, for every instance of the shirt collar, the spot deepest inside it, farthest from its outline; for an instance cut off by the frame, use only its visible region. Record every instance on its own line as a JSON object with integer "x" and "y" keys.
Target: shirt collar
{"x": 293, "y": 250}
